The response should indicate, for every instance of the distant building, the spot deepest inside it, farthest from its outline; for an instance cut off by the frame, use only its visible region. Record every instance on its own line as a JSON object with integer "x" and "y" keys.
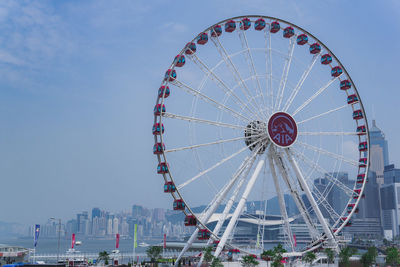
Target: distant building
{"x": 390, "y": 202}
{"x": 96, "y": 212}
{"x": 379, "y": 153}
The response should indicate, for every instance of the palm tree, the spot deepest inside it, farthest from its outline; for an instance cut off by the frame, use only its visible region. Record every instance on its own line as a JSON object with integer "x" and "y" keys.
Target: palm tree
{"x": 345, "y": 254}
{"x": 330, "y": 254}
{"x": 369, "y": 257}
{"x": 154, "y": 253}
{"x": 249, "y": 261}
{"x": 392, "y": 256}
{"x": 103, "y": 256}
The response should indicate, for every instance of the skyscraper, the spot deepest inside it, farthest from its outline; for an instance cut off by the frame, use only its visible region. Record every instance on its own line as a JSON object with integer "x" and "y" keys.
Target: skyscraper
{"x": 379, "y": 156}
{"x": 390, "y": 198}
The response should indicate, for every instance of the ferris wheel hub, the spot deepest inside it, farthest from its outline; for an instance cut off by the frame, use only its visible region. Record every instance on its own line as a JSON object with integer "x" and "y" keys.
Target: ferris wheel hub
{"x": 282, "y": 129}
{"x": 256, "y": 135}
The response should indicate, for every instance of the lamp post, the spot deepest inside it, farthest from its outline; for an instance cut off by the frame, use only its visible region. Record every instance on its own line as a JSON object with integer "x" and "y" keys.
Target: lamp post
{"x": 59, "y": 235}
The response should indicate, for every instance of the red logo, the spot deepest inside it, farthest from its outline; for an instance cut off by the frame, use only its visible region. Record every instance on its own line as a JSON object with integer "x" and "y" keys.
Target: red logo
{"x": 282, "y": 129}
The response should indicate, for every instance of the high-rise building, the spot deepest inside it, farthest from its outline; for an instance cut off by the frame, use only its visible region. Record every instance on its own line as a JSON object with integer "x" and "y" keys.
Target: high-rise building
{"x": 137, "y": 211}
{"x": 390, "y": 201}
{"x": 379, "y": 153}
{"x": 96, "y": 212}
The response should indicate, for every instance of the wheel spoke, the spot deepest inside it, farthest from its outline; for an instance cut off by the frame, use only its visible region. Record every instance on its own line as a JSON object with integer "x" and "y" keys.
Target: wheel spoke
{"x": 327, "y": 133}
{"x": 285, "y": 74}
{"x": 308, "y": 101}
{"x": 322, "y": 114}
{"x": 268, "y": 66}
{"x": 197, "y": 120}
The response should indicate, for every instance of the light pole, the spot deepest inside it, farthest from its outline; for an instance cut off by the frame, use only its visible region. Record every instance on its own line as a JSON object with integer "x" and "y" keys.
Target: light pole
{"x": 59, "y": 235}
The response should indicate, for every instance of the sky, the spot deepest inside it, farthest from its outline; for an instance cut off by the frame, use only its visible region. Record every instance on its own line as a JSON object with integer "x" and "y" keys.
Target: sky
{"x": 78, "y": 82}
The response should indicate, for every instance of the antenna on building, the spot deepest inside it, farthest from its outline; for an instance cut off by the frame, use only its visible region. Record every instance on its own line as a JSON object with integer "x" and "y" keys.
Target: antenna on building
{"x": 373, "y": 116}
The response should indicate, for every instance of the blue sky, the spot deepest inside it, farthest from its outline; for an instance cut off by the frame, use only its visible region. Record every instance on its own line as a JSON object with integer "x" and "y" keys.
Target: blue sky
{"x": 78, "y": 82}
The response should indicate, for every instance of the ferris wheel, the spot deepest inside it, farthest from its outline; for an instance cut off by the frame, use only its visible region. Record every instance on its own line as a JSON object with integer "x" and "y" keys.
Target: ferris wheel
{"x": 259, "y": 125}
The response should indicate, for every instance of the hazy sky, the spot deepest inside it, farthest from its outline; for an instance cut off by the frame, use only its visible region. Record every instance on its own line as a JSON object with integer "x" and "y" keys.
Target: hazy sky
{"x": 78, "y": 82}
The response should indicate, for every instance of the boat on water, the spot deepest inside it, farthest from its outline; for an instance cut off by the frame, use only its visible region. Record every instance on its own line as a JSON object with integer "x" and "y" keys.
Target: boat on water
{"x": 143, "y": 244}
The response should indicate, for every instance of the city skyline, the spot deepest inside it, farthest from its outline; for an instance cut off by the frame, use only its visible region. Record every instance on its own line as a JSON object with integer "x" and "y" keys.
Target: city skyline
{"x": 79, "y": 85}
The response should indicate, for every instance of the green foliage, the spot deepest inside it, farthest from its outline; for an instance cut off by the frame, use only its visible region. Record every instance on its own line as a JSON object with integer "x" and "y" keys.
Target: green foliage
{"x": 216, "y": 263}
{"x": 249, "y": 261}
{"x": 274, "y": 255}
{"x": 369, "y": 257}
{"x": 309, "y": 257}
{"x": 330, "y": 254}
{"x": 345, "y": 254}
{"x": 154, "y": 253}
{"x": 208, "y": 257}
{"x": 103, "y": 256}
{"x": 392, "y": 256}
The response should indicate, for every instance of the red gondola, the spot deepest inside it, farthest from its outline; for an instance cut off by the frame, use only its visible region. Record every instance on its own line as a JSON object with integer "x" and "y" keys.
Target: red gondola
{"x": 357, "y": 114}
{"x": 162, "y": 168}
{"x": 360, "y": 178}
{"x": 361, "y": 130}
{"x": 302, "y": 39}
{"x": 336, "y": 71}
{"x": 230, "y": 26}
{"x": 158, "y": 148}
{"x": 215, "y": 243}
{"x": 161, "y": 91}
{"x": 349, "y": 223}
{"x": 170, "y": 75}
{"x": 203, "y": 234}
{"x": 190, "y": 48}
{"x": 351, "y": 99}
{"x": 179, "y": 60}
{"x": 362, "y": 162}
{"x": 326, "y": 59}
{"x": 288, "y": 32}
{"x": 275, "y": 27}
{"x": 216, "y": 31}
{"x": 315, "y": 48}
{"x": 345, "y": 84}
{"x": 158, "y": 109}
{"x": 259, "y": 24}
{"x": 158, "y": 129}
{"x": 202, "y": 38}
{"x": 190, "y": 220}
{"x": 178, "y": 204}
{"x": 234, "y": 250}
{"x": 245, "y": 24}
{"x": 350, "y": 207}
{"x": 363, "y": 146}
{"x": 169, "y": 187}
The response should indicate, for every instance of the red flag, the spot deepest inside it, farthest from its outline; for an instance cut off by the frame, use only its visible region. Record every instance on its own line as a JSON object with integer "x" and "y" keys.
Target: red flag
{"x": 294, "y": 239}
{"x": 117, "y": 241}
{"x": 165, "y": 240}
{"x": 73, "y": 241}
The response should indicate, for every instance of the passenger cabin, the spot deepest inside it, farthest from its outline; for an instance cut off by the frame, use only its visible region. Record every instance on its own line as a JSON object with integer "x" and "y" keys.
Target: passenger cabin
{"x": 336, "y": 71}
{"x": 170, "y": 75}
{"x": 169, "y": 187}
{"x": 190, "y": 220}
{"x": 161, "y": 91}
{"x": 179, "y": 60}
{"x": 357, "y": 114}
{"x": 245, "y": 24}
{"x": 178, "y": 204}
{"x": 216, "y": 31}
{"x": 259, "y": 24}
{"x": 288, "y": 32}
{"x": 158, "y": 129}
{"x": 349, "y": 223}
{"x": 345, "y": 84}
{"x": 326, "y": 59}
{"x": 215, "y": 243}
{"x": 363, "y": 146}
{"x": 158, "y": 148}
{"x": 361, "y": 130}
{"x": 230, "y": 26}
{"x": 302, "y": 39}
{"x": 275, "y": 27}
{"x": 202, "y": 39}
{"x": 315, "y": 48}
{"x": 360, "y": 178}
{"x": 234, "y": 251}
{"x": 203, "y": 234}
{"x": 190, "y": 48}
{"x": 351, "y": 99}
{"x": 350, "y": 207}
{"x": 362, "y": 162}
{"x": 162, "y": 168}
{"x": 158, "y": 109}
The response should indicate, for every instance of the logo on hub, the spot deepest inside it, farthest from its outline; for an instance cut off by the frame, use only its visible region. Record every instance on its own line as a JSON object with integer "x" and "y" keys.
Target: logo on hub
{"x": 282, "y": 129}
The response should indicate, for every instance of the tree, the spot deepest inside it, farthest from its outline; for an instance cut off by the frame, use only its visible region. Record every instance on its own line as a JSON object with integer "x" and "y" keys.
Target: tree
{"x": 208, "y": 257}
{"x": 217, "y": 262}
{"x": 330, "y": 255}
{"x": 154, "y": 253}
{"x": 309, "y": 257}
{"x": 274, "y": 255}
{"x": 369, "y": 257}
{"x": 392, "y": 256}
{"x": 103, "y": 256}
{"x": 345, "y": 254}
{"x": 249, "y": 261}
{"x": 267, "y": 255}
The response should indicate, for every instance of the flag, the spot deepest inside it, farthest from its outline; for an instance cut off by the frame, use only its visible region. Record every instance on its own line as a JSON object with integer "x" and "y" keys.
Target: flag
{"x": 37, "y": 231}
{"x": 117, "y": 241}
{"x": 135, "y": 237}
{"x": 165, "y": 240}
{"x": 73, "y": 241}
{"x": 258, "y": 241}
{"x": 294, "y": 240}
